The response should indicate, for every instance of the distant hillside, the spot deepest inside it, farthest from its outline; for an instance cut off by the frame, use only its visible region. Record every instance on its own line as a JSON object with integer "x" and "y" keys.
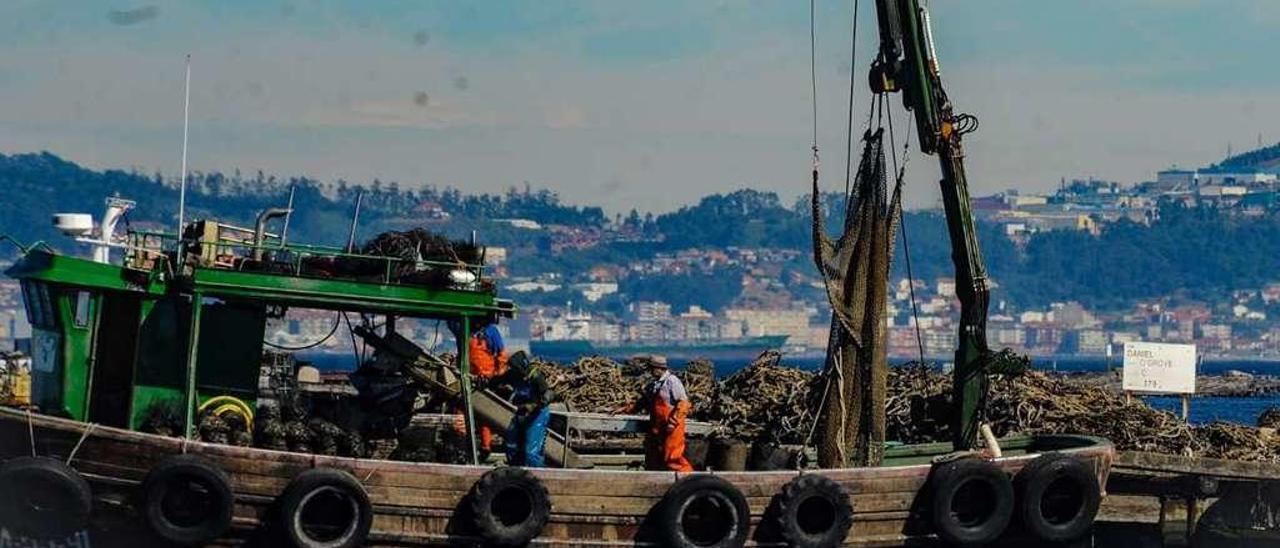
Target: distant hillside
{"x": 1264, "y": 158}
{"x": 34, "y": 186}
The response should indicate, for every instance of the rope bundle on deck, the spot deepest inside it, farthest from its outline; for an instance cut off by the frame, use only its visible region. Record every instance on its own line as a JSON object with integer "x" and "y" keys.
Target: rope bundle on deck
{"x": 765, "y": 401}
{"x": 768, "y": 401}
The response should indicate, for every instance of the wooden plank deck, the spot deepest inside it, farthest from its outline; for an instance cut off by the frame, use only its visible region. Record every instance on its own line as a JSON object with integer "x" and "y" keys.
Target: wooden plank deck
{"x": 1171, "y": 493}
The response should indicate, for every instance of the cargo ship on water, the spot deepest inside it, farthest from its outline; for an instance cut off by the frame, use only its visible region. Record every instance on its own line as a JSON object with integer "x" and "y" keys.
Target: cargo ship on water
{"x": 570, "y": 337}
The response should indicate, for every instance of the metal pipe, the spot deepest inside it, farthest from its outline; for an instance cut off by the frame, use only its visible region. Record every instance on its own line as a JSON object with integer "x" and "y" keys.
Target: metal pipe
{"x": 182, "y": 186}
{"x": 355, "y": 221}
{"x": 931, "y": 53}
{"x": 284, "y": 233}
{"x": 116, "y": 208}
{"x": 464, "y": 365}
{"x": 260, "y": 229}
{"x": 193, "y": 352}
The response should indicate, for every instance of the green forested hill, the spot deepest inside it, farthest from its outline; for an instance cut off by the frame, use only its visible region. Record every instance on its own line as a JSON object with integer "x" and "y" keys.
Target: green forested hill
{"x": 34, "y": 186}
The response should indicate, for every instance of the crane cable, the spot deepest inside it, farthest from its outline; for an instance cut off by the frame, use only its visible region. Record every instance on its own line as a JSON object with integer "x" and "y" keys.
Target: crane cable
{"x": 337, "y": 320}
{"x": 902, "y": 221}
{"x": 813, "y": 81}
{"x": 848, "y": 145}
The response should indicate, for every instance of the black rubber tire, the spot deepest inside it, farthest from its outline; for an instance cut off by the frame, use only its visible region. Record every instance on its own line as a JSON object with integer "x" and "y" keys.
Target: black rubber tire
{"x": 43, "y": 498}
{"x": 709, "y": 499}
{"x": 348, "y": 508}
{"x": 972, "y": 502}
{"x": 812, "y": 511}
{"x": 1069, "y": 487}
{"x": 182, "y": 480}
{"x": 508, "y": 506}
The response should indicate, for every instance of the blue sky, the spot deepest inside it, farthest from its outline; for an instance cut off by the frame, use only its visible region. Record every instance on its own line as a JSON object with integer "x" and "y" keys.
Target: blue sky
{"x": 646, "y": 104}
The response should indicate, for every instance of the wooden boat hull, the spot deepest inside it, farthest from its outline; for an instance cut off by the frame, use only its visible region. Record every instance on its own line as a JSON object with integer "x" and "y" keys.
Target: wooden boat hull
{"x": 414, "y": 503}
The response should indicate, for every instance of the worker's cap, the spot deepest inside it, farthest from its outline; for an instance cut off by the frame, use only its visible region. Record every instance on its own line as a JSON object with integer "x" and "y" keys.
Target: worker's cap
{"x": 657, "y": 362}
{"x": 518, "y": 361}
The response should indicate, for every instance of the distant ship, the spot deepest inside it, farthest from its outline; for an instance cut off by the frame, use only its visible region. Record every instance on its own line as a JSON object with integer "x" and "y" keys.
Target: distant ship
{"x": 569, "y": 339}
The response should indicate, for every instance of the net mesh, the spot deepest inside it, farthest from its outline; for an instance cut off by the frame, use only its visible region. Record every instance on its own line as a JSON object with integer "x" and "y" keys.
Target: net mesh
{"x": 855, "y": 269}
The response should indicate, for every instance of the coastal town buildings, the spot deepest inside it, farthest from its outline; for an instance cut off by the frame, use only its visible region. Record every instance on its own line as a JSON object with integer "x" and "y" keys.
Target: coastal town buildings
{"x": 781, "y": 295}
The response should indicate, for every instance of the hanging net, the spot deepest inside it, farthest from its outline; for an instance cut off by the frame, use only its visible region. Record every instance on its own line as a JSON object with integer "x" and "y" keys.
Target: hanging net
{"x": 855, "y": 268}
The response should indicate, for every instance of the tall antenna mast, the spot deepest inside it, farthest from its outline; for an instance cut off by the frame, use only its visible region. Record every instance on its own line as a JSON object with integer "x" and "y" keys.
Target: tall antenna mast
{"x": 182, "y": 186}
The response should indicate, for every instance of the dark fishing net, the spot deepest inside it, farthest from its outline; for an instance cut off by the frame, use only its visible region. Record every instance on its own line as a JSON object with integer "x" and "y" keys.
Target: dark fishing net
{"x": 855, "y": 268}
{"x": 164, "y": 418}
{"x": 424, "y": 258}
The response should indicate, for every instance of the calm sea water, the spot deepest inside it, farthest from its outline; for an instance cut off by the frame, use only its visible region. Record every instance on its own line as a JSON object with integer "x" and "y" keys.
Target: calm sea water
{"x": 1203, "y": 410}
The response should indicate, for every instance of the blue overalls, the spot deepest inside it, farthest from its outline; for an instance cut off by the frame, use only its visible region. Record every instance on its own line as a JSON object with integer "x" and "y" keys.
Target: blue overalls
{"x": 527, "y": 434}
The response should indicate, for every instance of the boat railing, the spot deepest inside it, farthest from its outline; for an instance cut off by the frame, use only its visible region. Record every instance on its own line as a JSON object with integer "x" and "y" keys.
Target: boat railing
{"x": 298, "y": 259}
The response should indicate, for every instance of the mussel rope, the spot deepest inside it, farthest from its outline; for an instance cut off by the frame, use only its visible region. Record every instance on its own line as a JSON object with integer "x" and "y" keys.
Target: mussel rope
{"x": 223, "y": 404}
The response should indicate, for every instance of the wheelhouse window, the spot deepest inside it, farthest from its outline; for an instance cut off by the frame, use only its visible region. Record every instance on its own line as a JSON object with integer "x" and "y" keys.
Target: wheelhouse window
{"x": 83, "y": 309}
{"x": 39, "y": 304}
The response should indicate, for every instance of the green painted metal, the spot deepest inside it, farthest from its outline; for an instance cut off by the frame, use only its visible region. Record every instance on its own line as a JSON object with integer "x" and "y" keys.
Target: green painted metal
{"x": 919, "y": 85}
{"x": 77, "y": 356}
{"x": 403, "y": 300}
{"x": 61, "y": 361}
{"x": 969, "y": 375}
{"x": 183, "y": 359}
{"x": 230, "y": 350}
{"x": 53, "y": 268}
{"x": 144, "y": 397}
{"x": 924, "y": 96}
{"x": 93, "y": 328}
{"x": 464, "y": 363}
{"x": 193, "y": 355}
{"x": 161, "y": 351}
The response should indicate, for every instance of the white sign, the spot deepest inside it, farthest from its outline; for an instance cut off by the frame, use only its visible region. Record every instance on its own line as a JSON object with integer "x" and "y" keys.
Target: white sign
{"x": 1156, "y": 367}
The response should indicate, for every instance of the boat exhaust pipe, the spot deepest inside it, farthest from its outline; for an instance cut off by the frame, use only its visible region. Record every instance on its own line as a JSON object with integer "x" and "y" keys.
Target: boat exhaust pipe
{"x": 260, "y": 229}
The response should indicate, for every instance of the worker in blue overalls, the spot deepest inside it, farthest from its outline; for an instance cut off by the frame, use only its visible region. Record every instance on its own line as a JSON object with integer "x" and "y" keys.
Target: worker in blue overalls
{"x": 526, "y": 435}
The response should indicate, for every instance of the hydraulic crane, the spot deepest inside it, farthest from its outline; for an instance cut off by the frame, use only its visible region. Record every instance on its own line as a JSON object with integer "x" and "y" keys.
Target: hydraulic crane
{"x": 907, "y": 63}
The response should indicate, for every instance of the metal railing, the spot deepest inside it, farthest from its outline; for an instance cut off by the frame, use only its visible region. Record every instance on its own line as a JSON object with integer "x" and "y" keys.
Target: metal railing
{"x": 391, "y": 268}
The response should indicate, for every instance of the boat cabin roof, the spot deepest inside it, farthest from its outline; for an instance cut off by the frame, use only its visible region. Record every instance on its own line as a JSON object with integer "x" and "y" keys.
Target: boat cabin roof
{"x": 220, "y": 265}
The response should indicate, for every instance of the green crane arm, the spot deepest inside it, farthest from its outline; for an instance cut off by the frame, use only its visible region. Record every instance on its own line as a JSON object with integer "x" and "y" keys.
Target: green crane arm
{"x": 907, "y": 63}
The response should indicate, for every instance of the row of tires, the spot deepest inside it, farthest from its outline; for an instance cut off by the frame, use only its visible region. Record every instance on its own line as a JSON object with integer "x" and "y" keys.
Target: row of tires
{"x": 187, "y": 500}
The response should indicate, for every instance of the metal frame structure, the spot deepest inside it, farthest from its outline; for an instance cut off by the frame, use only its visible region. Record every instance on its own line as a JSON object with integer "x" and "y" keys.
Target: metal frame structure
{"x": 161, "y": 268}
{"x": 908, "y": 63}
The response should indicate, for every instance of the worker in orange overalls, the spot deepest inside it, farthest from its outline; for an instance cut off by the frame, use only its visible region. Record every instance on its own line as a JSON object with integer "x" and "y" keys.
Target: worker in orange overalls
{"x": 487, "y": 355}
{"x": 668, "y": 404}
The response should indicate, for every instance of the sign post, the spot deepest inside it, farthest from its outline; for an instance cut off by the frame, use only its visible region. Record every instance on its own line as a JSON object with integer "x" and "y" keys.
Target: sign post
{"x": 1158, "y": 368}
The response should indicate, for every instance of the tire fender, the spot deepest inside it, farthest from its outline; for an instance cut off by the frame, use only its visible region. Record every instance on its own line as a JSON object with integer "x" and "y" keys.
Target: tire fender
{"x": 43, "y": 498}
{"x": 508, "y": 506}
{"x": 812, "y": 511}
{"x": 325, "y": 508}
{"x": 1058, "y": 498}
{"x": 971, "y": 501}
{"x": 702, "y": 511}
{"x": 187, "y": 500}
